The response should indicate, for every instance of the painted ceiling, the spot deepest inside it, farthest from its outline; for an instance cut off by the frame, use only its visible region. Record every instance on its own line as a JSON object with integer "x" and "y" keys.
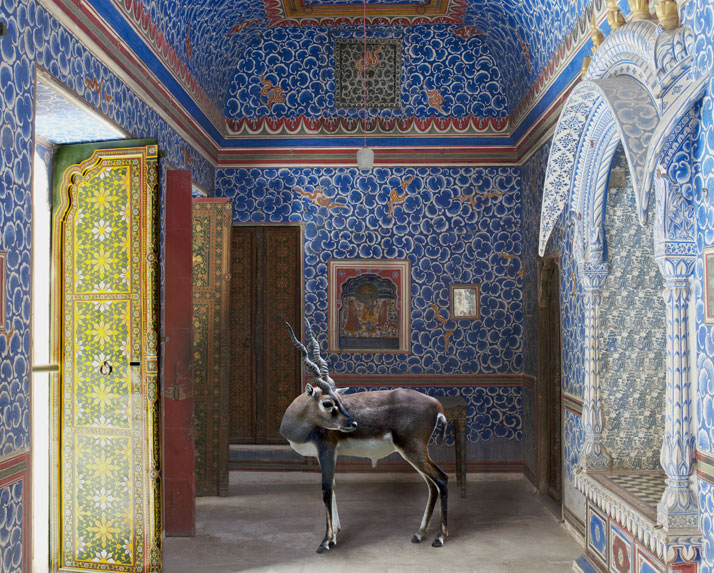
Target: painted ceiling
{"x": 267, "y": 67}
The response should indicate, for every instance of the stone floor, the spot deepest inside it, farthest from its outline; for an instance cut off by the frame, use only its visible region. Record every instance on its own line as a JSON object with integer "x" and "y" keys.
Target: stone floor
{"x": 275, "y": 521}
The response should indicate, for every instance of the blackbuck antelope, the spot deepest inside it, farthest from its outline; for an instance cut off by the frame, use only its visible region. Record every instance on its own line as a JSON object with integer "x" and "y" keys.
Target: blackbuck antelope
{"x": 323, "y": 422}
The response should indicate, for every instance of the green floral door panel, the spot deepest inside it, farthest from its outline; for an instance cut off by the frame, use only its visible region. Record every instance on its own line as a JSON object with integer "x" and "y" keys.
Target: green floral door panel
{"x": 106, "y": 512}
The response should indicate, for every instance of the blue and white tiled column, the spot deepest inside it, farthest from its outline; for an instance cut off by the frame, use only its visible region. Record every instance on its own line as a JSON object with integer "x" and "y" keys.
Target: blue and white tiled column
{"x": 593, "y": 455}
{"x": 675, "y": 253}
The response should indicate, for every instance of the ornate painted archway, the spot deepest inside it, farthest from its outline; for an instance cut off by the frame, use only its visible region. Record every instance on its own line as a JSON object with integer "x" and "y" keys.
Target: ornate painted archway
{"x": 639, "y": 91}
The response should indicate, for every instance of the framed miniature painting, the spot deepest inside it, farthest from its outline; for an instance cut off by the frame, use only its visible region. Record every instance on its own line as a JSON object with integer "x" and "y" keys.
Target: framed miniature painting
{"x": 708, "y": 254}
{"x": 369, "y": 308}
{"x": 465, "y": 302}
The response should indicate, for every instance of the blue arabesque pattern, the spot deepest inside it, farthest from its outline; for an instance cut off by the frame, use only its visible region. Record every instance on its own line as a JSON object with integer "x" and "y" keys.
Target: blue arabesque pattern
{"x": 11, "y": 538}
{"x": 491, "y": 411}
{"x": 34, "y": 37}
{"x": 209, "y": 37}
{"x": 300, "y": 61}
{"x": 699, "y": 14}
{"x": 456, "y": 226}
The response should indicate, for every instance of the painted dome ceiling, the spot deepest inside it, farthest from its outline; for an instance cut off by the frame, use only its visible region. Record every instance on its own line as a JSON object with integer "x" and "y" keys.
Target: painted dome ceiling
{"x": 269, "y": 67}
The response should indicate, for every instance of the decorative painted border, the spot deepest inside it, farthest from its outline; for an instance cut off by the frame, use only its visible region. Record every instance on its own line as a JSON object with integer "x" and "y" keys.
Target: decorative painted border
{"x": 644, "y": 530}
{"x": 424, "y": 380}
{"x": 140, "y": 19}
{"x": 705, "y": 467}
{"x": 573, "y": 404}
{"x": 13, "y": 470}
{"x": 3, "y": 289}
{"x": 462, "y": 156}
{"x": 300, "y": 126}
{"x": 297, "y": 13}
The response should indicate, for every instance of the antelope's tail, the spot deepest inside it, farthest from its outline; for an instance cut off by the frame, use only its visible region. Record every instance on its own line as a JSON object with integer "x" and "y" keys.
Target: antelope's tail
{"x": 441, "y": 419}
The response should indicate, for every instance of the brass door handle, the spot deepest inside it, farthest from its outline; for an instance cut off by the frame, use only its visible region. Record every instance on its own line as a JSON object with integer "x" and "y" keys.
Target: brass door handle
{"x": 106, "y": 368}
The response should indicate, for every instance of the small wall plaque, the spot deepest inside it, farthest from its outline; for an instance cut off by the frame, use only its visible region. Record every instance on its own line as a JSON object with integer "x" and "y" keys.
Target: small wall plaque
{"x": 708, "y": 255}
{"x": 465, "y": 302}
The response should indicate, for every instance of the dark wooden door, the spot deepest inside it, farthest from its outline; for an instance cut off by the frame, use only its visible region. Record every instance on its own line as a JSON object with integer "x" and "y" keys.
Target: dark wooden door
{"x": 266, "y": 293}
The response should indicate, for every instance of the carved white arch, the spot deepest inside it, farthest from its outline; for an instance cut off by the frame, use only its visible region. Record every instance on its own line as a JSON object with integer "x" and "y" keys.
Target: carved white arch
{"x": 639, "y": 91}
{"x": 643, "y": 75}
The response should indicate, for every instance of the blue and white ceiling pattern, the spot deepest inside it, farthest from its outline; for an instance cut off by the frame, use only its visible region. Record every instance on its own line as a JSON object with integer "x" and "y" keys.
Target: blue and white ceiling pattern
{"x": 204, "y": 42}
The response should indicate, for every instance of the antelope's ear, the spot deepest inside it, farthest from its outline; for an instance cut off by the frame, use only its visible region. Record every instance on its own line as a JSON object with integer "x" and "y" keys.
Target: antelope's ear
{"x": 309, "y": 390}
{"x": 342, "y": 390}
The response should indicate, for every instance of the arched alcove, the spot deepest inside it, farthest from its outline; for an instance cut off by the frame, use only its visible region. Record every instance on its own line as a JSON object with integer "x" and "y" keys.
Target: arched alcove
{"x": 638, "y": 93}
{"x": 632, "y": 332}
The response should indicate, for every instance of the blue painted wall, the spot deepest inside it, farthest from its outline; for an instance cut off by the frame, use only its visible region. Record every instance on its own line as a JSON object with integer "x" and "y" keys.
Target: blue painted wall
{"x": 699, "y": 14}
{"x": 455, "y": 226}
{"x": 35, "y": 38}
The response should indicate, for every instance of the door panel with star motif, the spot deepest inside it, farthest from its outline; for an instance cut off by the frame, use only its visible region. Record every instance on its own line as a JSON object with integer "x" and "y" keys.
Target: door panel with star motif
{"x": 266, "y": 292}
{"x": 106, "y": 489}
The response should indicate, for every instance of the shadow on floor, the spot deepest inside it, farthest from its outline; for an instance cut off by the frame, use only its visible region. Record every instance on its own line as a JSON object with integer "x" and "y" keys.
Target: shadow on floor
{"x": 274, "y": 522}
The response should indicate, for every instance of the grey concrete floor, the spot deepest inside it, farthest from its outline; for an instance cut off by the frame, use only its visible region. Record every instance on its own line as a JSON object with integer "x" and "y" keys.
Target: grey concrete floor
{"x": 275, "y": 521}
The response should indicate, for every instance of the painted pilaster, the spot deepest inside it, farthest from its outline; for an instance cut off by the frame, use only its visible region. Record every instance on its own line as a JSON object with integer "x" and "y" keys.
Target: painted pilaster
{"x": 675, "y": 252}
{"x": 593, "y": 455}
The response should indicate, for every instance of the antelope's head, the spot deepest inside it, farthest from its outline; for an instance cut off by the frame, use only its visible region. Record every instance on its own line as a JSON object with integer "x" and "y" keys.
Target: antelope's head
{"x": 325, "y": 408}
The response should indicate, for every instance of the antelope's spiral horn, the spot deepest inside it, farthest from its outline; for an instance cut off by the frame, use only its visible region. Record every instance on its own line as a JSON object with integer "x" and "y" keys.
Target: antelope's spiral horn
{"x": 317, "y": 358}
{"x": 311, "y": 366}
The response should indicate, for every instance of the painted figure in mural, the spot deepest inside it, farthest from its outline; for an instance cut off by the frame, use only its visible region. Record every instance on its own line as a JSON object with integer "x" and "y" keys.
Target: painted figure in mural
{"x": 324, "y": 422}
{"x": 369, "y": 317}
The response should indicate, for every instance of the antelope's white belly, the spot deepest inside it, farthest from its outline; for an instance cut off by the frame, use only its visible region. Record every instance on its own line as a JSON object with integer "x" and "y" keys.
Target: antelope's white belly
{"x": 373, "y": 448}
{"x": 304, "y": 448}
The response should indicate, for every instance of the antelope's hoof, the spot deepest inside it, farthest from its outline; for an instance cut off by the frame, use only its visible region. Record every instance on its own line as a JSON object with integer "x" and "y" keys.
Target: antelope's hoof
{"x": 438, "y": 542}
{"x": 416, "y": 538}
{"x": 322, "y": 549}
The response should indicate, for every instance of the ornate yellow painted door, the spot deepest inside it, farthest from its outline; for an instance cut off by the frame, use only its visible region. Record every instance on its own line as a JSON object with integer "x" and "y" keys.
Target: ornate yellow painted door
{"x": 106, "y": 510}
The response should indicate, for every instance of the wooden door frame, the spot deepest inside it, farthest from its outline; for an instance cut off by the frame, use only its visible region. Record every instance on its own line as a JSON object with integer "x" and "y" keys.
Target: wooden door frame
{"x": 301, "y": 226}
{"x": 546, "y": 266}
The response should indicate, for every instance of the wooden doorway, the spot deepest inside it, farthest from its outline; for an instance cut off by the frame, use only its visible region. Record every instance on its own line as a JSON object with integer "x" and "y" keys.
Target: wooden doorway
{"x": 550, "y": 443}
{"x": 266, "y": 292}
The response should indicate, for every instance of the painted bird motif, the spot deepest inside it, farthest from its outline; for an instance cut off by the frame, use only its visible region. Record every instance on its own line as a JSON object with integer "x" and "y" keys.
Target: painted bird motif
{"x": 395, "y": 197}
{"x": 443, "y": 321}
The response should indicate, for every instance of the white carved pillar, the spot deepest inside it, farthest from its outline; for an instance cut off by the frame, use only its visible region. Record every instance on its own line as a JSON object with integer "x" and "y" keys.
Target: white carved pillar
{"x": 675, "y": 252}
{"x": 593, "y": 455}
{"x": 678, "y": 507}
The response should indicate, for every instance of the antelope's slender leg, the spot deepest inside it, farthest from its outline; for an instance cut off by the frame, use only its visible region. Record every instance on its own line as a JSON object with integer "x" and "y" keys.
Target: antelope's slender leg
{"x": 327, "y": 458}
{"x": 419, "y": 458}
{"x": 428, "y": 510}
{"x": 336, "y": 526}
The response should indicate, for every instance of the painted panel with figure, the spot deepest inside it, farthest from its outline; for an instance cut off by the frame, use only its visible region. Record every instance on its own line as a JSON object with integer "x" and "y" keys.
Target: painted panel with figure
{"x": 369, "y": 306}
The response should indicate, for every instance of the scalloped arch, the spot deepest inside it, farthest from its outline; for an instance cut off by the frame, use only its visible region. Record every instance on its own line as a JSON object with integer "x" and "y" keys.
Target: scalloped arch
{"x": 637, "y": 88}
